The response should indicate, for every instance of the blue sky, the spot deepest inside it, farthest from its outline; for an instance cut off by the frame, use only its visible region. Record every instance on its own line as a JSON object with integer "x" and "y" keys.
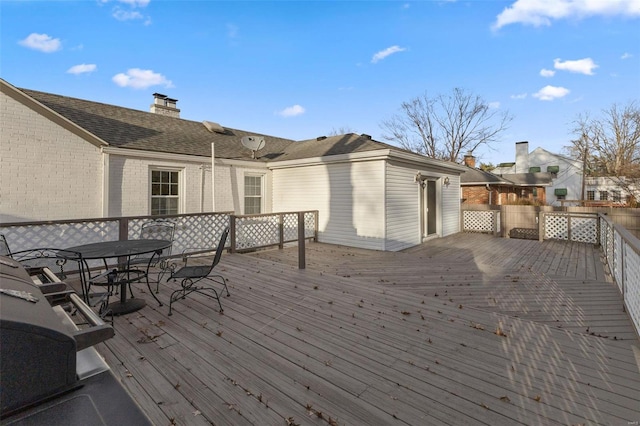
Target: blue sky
{"x": 302, "y": 69}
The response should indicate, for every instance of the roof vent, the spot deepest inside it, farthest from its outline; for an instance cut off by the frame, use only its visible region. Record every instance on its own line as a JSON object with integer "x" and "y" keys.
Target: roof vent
{"x": 321, "y": 138}
{"x": 366, "y": 136}
{"x": 213, "y": 127}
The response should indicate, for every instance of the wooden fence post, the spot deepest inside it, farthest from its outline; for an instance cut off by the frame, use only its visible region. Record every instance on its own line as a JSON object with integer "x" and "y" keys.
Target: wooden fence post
{"x": 281, "y": 231}
{"x": 301, "y": 252}
{"x": 232, "y": 231}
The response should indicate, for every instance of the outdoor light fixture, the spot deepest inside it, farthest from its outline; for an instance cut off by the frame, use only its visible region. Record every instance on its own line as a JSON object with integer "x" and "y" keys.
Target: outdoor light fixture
{"x": 446, "y": 181}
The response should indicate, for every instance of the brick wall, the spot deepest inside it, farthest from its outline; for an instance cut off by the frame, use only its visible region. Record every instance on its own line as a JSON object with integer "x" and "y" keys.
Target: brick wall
{"x": 47, "y": 172}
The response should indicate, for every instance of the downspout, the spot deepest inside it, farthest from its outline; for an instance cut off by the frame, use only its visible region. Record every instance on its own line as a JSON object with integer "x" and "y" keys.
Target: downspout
{"x": 213, "y": 179}
{"x": 105, "y": 184}
{"x": 202, "y": 189}
{"x": 490, "y": 193}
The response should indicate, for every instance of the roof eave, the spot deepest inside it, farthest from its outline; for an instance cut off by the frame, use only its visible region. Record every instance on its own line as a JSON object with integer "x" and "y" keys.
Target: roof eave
{"x": 19, "y": 96}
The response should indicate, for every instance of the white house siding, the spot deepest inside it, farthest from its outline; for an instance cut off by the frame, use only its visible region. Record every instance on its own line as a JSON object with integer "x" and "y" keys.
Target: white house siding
{"x": 569, "y": 176}
{"x": 129, "y": 183}
{"x": 403, "y": 205}
{"x": 348, "y": 196}
{"x": 47, "y": 172}
{"x": 403, "y": 208}
{"x": 451, "y": 206}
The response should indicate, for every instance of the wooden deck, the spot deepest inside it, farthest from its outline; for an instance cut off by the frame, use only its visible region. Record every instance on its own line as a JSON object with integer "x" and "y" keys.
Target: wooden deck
{"x": 468, "y": 329}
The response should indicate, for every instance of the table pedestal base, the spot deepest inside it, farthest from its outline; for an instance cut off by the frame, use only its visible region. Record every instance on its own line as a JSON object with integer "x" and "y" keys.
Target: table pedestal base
{"x": 126, "y": 307}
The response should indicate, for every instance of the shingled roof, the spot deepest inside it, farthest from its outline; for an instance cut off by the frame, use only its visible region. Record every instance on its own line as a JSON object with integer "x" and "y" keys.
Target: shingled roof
{"x": 140, "y": 130}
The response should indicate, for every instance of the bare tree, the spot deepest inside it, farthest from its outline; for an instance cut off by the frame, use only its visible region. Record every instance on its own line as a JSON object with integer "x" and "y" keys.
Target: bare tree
{"x": 342, "y": 130}
{"x": 610, "y": 144}
{"x": 446, "y": 126}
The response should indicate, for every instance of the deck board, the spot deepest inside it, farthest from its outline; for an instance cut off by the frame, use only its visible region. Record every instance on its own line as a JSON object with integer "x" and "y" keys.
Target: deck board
{"x": 368, "y": 337}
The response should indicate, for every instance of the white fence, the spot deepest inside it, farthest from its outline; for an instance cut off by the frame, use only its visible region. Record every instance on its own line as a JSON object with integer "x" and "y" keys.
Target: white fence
{"x": 199, "y": 230}
{"x": 481, "y": 221}
{"x": 622, "y": 254}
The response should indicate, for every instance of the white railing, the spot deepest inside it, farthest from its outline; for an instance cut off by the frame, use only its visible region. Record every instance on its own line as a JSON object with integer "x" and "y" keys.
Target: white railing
{"x": 578, "y": 227}
{"x": 622, "y": 255}
{"x": 200, "y": 230}
{"x": 481, "y": 221}
{"x": 271, "y": 229}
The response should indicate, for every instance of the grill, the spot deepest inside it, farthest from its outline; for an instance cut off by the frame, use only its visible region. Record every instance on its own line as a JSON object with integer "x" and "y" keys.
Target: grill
{"x": 50, "y": 372}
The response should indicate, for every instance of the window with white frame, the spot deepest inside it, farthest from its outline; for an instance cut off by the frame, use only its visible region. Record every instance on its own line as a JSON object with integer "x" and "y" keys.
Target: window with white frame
{"x": 604, "y": 195}
{"x": 591, "y": 195}
{"x": 617, "y": 196}
{"x": 165, "y": 192}
{"x": 253, "y": 194}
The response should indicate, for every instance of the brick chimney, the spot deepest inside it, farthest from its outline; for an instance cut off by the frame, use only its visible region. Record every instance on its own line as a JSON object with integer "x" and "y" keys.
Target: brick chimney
{"x": 470, "y": 160}
{"x": 164, "y": 106}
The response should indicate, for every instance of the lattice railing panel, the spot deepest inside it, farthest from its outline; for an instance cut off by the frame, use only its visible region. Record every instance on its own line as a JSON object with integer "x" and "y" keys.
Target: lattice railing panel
{"x": 59, "y": 235}
{"x": 264, "y": 230}
{"x": 584, "y": 229}
{"x": 623, "y": 258}
{"x": 618, "y": 264}
{"x": 192, "y": 232}
{"x": 257, "y": 232}
{"x": 632, "y": 283}
{"x": 556, "y": 227}
{"x": 479, "y": 220}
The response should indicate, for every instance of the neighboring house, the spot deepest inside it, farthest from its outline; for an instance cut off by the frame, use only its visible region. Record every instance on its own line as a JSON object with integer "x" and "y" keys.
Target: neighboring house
{"x": 566, "y": 173}
{"x": 481, "y": 187}
{"x": 610, "y": 191}
{"x": 67, "y": 158}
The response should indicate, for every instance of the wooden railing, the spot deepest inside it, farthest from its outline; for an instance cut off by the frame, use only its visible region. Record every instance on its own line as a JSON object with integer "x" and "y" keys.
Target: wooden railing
{"x": 621, "y": 249}
{"x": 201, "y": 230}
{"x": 622, "y": 254}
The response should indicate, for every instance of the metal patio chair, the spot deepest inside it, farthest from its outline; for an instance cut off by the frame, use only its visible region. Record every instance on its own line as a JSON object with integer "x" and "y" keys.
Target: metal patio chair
{"x": 47, "y": 266}
{"x": 4, "y": 246}
{"x": 192, "y": 275}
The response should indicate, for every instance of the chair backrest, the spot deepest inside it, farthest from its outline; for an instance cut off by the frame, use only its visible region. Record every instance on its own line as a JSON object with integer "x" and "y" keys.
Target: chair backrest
{"x": 220, "y": 249}
{"x": 54, "y": 259}
{"x": 158, "y": 230}
{"x": 4, "y": 247}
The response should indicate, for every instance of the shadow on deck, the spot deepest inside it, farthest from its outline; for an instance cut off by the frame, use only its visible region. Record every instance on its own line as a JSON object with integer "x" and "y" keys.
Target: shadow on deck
{"x": 467, "y": 329}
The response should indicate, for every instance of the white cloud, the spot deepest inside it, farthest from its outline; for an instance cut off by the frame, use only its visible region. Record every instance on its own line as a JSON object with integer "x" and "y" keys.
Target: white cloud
{"x": 519, "y": 96}
{"x": 494, "y": 105}
{"x": 549, "y": 93}
{"x": 541, "y": 12}
{"x": 292, "y": 111}
{"x": 136, "y": 3}
{"x": 126, "y": 15}
{"x": 41, "y": 42}
{"x": 82, "y": 69}
{"x": 626, "y": 55}
{"x": 232, "y": 31}
{"x": 386, "y": 52}
{"x": 141, "y": 79}
{"x": 132, "y": 3}
{"x": 580, "y": 66}
{"x": 547, "y": 73}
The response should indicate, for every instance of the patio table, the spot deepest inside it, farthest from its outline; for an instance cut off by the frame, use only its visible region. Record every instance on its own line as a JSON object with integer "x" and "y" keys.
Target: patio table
{"x": 122, "y": 249}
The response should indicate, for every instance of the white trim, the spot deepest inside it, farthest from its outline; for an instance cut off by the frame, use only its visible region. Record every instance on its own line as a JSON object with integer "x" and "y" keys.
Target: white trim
{"x": 153, "y": 155}
{"x": 380, "y": 154}
{"x": 182, "y": 187}
{"x": 262, "y": 190}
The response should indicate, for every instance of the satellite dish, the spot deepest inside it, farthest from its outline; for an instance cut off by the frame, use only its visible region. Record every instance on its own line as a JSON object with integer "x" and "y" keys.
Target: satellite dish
{"x": 254, "y": 143}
